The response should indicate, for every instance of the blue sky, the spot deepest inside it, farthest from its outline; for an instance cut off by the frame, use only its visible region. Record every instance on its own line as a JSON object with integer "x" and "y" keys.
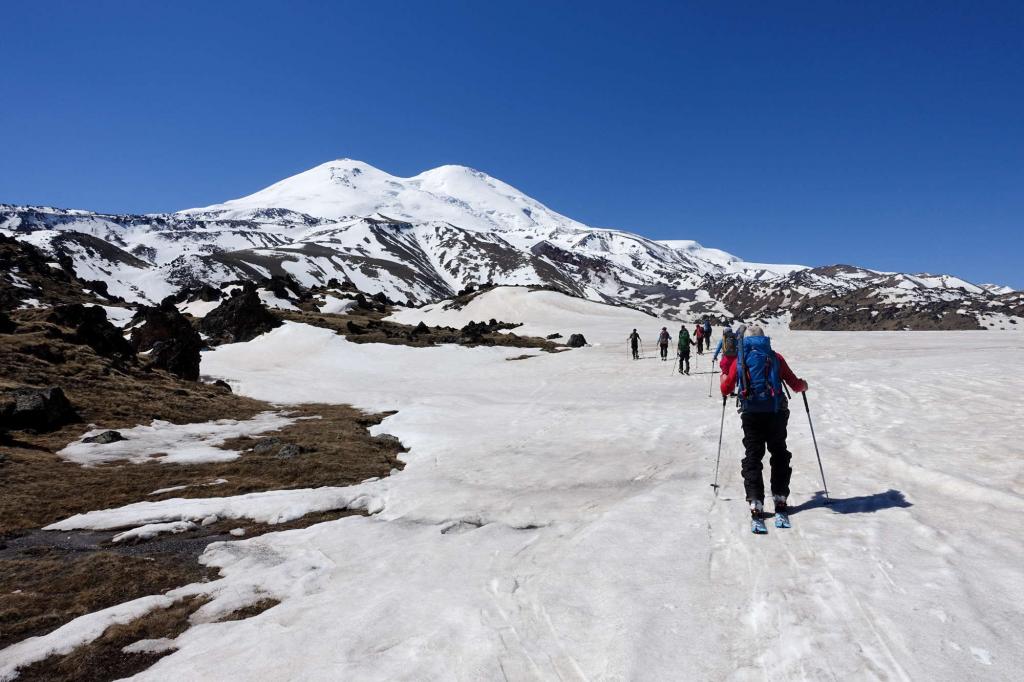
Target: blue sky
{"x": 889, "y": 135}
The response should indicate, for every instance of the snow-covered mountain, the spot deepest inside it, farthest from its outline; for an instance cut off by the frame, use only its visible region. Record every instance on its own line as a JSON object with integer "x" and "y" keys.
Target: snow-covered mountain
{"x": 424, "y": 238}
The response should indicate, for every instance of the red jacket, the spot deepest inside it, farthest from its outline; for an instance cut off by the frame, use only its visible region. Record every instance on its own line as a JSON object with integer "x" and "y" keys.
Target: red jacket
{"x": 798, "y": 385}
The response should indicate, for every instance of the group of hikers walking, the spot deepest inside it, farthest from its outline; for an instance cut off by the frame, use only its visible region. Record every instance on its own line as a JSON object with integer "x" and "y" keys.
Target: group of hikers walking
{"x": 701, "y": 332}
{"x": 756, "y": 375}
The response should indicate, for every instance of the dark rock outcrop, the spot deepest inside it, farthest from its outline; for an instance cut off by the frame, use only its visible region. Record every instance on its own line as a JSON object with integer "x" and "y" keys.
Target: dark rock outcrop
{"x": 104, "y": 438}
{"x": 576, "y": 341}
{"x": 38, "y": 409}
{"x": 172, "y": 342}
{"x": 7, "y": 325}
{"x": 91, "y": 327}
{"x": 242, "y": 317}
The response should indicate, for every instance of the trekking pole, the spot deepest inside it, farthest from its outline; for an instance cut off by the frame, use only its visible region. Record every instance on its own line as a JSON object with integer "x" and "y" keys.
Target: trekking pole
{"x": 721, "y": 428}
{"x": 711, "y": 381}
{"x": 807, "y": 407}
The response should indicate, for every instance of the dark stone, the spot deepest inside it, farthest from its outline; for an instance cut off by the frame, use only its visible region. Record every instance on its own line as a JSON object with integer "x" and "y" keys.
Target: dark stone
{"x": 220, "y": 383}
{"x": 240, "y": 318}
{"x": 354, "y": 328}
{"x": 576, "y": 341}
{"x": 266, "y": 445}
{"x": 333, "y": 283}
{"x": 288, "y": 451}
{"x": 173, "y": 343}
{"x": 553, "y": 336}
{"x": 104, "y": 438}
{"x": 7, "y": 325}
{"x": 38, "y": 409}
{"x": 207, "y": 293}
{"x": 379, "y": 297}
{"x": 421, "y": 328}
{"x": 90, "y": 327}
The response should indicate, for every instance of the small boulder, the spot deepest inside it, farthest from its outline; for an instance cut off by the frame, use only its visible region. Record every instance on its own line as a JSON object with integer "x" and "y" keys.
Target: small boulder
{"x": 265, "y": 446}
{"x": 421, "y": 328}
{"x": 220, "y": 383}
{"x": 576, "y": 341}
{"x": 104, "y": 438}
{"x": 38, "y": 409}
{"x": 288, "y": 451}
{"x": 553, "y": 336}
{"x": 242, "y": 317}
{"x": 7, "y": 325}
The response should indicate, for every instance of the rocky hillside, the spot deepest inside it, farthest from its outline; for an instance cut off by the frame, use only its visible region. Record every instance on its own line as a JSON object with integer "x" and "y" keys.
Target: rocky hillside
{"x": 425, "y": 238}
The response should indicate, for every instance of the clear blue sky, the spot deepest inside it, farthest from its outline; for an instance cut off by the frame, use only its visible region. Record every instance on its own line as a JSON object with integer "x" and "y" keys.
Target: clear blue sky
{"x": 883, "y": 134}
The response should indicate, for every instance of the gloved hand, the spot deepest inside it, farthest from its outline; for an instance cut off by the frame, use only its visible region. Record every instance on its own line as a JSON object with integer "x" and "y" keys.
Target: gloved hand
{"x": 804, "y": 387}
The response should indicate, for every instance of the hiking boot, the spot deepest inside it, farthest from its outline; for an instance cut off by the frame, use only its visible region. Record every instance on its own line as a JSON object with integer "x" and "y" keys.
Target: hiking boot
{"x": 756, "y": 508}
{"x": 779, "y": 502}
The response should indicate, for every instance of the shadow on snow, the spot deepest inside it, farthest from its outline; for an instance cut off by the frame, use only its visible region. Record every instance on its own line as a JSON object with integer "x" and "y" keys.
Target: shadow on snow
{"x": 855, "y": 505}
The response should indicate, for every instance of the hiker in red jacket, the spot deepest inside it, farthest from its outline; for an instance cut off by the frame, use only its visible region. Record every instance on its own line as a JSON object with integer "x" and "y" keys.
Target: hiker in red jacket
{"x": 758, "y": 375}
{"x": 698, "y": 333}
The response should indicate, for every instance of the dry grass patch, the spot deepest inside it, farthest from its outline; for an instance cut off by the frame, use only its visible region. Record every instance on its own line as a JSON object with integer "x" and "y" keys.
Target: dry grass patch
{"x": 103, "y": 659}
{"x": 369, "y": 326}
{"x": 47, "y": 587}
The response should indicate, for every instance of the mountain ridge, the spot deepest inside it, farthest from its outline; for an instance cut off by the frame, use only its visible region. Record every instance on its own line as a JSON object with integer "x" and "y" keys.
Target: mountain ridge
{"x": 422, "y": 239}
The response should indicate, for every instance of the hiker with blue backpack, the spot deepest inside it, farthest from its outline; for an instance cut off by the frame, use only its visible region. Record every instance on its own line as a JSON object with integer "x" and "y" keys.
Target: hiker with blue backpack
{"x": 707, "y": 332}
{"x": 757, "y": 377}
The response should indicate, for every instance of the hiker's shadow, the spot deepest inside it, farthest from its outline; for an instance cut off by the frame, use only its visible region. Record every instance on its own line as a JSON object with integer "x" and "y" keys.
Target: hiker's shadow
{"x": 865, "y": 504}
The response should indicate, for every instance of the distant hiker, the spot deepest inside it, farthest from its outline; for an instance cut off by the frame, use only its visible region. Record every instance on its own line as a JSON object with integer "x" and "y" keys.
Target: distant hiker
{"x": 707, "y": 333}
{"x": 684, "y": 350}
{"x": 728, "y": 346}
{"x": 663, "y": 339}
{"x": 634, "y": 341}
{"x": 698, "y": 333}
{"x": 758, "y": 375}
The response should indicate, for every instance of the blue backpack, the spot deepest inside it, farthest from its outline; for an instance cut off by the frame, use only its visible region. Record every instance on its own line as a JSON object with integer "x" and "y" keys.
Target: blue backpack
{"x": 760, "y": 386}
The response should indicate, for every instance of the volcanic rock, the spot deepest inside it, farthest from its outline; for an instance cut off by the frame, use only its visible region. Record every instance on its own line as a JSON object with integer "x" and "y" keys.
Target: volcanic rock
{"x": 242, "y": 317}
{"x": 38, "y": 409}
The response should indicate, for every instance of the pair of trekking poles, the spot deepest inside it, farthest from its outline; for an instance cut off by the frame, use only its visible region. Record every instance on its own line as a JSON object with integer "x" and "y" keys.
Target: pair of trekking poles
{"x": 814, "y": 438}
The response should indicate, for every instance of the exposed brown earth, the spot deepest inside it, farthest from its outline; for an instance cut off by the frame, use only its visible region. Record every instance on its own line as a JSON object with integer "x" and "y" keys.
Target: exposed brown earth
{"x": 369, "y": 326}
{"x": 103, "y": 659}
{"x": 48, "y": 579}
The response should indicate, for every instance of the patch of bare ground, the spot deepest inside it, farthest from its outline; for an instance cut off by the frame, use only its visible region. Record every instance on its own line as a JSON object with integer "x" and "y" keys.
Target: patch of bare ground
{"x": 369, "y": 326}
{"x": 104, "y": 659}
{"x": 47, "y": 587}
{"x": 251, "y": 610}
{"x": 47, "y": 579}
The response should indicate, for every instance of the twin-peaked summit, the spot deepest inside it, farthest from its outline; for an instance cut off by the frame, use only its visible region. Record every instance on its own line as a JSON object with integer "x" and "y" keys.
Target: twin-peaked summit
{"x": 346, "y": 188}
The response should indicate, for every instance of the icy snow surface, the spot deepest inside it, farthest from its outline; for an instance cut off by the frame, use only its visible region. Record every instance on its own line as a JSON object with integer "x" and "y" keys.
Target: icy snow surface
{"x": 554, "y": 520}
{"x": 173, "y": 443}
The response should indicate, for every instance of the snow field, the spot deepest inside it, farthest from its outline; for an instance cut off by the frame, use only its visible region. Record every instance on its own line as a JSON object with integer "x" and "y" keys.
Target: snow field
{"x": 554, "y": 519}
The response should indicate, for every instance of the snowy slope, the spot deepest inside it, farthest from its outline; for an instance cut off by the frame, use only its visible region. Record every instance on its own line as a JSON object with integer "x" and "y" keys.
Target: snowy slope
{"x": 424, "y": 238}
{"x": 554, "y": 520}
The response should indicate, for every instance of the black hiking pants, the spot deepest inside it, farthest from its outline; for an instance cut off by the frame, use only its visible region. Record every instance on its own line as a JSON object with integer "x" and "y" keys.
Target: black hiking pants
{"x": 664, "y": 351}
{"x": 684, "y": 358}
{"x": 636, "y": 354}
{"x": 765, "y": 430}
{"x": 700, "y": 345}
